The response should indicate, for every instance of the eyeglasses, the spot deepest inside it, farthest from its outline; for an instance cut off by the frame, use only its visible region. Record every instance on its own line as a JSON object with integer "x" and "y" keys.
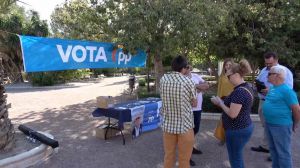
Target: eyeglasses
{"x": 228, "y": 76}
{"x": 270, "y": 73}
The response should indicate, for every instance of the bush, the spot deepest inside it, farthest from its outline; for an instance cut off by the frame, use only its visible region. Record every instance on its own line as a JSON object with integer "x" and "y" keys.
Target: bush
{"x": 297, "y": 85}
{"x": 148, "y": 94}
{"x": 42, "y": 78}
{"x": 142, "y": 82}
{"x": 143, "y": 93}
{"x": 108, "y": 72}
{"x": 167, "y": 68}
{"x": 209, "y": 78}
{"x": 207, "y": 105}
{"x": 55, "y": 77}
{"x": 96, "y": 72}
{"x": 151, "y": 79}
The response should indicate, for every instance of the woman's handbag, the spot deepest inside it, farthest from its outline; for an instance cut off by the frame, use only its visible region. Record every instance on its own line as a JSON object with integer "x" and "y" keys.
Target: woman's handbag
{"x": 219, "y": 131}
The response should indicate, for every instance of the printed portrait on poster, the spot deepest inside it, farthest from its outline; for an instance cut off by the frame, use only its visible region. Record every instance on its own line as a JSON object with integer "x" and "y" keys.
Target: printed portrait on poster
{"x": 137, "y": 115}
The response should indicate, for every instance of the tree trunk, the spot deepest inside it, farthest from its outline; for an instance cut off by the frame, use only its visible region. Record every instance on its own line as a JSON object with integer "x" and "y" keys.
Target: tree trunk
{"x": 254, "y": 66}
{"x": 148, "y": 71}
{"x": 211, "y": 66}
{"x": 7, "y": 133}
{"x": 159, "y": 70}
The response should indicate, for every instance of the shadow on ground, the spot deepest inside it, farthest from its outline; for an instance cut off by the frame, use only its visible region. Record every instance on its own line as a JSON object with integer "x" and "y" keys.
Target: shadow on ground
{"x": 73, "y": 127}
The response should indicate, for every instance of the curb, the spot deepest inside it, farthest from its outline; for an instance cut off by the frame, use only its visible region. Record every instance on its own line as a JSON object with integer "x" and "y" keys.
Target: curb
{"x": 70, "y": 85}
{"x": 28, "y": 158}
{"x": 216, "y": 116}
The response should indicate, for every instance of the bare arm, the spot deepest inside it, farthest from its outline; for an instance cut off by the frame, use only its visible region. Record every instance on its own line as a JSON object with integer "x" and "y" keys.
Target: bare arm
{"x": 194, "y": 103}
{"x": 296, "y": 115}
{"x": 202, "y": 86}
{"x": 193, "y": 94}
{"x": 233, "y": 111}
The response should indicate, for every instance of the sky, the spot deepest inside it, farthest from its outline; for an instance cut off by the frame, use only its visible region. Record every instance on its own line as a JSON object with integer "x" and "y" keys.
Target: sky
{"x": 43, "y": 7}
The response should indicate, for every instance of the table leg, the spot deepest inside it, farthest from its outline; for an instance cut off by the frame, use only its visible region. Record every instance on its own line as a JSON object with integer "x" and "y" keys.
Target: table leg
{"x": 109, "y": 126}
{"x": 123, "y": 137}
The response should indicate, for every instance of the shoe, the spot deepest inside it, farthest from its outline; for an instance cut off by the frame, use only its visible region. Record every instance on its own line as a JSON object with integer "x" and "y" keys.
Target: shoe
{"x": 269, "y": 159}
{"x": 260, "y": 149}
{"x": 192, "y": 163}
{"x": 197, "y": 151}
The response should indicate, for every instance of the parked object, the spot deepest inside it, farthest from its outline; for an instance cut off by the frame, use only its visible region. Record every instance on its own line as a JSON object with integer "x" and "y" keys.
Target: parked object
{"x": 104, "y": 101}
{"x": 38, "y": 136}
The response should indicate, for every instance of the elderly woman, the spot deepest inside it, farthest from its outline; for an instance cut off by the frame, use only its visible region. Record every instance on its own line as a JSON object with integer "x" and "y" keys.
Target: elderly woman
{"x": 282, "y": 113}
{"x": 236, "y": 113}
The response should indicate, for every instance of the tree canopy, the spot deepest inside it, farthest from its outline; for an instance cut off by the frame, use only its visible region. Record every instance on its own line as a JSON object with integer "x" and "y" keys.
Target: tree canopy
{"x": 204, "y": 31}
{"x": 14, "y": 22}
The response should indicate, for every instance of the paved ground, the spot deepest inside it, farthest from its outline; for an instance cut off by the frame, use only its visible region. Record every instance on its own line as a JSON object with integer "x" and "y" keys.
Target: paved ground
{"x": 65, "y": 113}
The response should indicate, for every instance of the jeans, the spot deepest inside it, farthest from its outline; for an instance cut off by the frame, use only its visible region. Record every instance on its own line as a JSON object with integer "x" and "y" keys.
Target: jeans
{"x": 235, "y": 142}
{"x": 280, "y": 144}
{"x": 197, "y": 119}
{"x": 184, "y": 142}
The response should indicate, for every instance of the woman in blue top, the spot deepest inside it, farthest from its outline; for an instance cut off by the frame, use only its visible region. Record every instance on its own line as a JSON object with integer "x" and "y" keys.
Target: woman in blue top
{"x": 282, "y": 113}
{"x": 236, "y": 113}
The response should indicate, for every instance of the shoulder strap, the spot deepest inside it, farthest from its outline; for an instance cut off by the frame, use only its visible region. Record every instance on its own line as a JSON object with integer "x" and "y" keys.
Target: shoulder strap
{"x": 252, "y": 98}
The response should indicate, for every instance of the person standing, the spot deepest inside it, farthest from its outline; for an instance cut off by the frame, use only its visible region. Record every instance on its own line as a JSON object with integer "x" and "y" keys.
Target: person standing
{"x": 271, "y": 59}
{"x": 282, "y": 113}
{"x": 201, "y": 86}
{"x": 236, "y": 113}
{"x": 178, "y": 94}
{"x": 224, "y": 86}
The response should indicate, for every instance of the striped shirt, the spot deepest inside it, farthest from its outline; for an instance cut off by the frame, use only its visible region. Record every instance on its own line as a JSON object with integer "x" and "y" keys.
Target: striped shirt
{"x": 177, "y": 92}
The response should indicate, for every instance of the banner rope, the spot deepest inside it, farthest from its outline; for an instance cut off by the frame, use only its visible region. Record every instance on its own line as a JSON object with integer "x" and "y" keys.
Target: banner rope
{"x": 8, "y": 32}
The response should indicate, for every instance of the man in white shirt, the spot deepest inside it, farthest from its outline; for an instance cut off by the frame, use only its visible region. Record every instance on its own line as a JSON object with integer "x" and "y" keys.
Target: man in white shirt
{"x": 271, "y": 59}
{"x": 201, "y": 86}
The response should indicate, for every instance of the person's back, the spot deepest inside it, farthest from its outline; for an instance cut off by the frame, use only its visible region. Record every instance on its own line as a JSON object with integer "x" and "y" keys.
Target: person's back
{"x": 178, "y": 93}
{"x": 176, "y": 97}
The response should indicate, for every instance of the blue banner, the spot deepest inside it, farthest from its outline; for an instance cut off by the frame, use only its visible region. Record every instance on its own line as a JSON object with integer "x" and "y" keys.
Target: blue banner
{"x": 51, "y": 54}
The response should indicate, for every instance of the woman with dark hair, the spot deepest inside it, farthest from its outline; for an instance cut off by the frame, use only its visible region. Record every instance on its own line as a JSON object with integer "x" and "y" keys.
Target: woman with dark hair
{"x": 236, "y": 113}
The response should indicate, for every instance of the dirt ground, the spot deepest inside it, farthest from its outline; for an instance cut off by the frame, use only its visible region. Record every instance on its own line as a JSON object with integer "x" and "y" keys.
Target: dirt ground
{"x": 65, "y": 112}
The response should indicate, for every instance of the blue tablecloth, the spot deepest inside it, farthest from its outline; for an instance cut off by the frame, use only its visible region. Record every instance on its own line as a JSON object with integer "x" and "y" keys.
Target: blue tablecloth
{"x": 147, "y": 108}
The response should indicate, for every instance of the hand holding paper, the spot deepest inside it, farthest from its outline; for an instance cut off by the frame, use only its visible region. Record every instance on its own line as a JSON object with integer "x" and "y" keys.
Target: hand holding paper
{"x": 216, "y": 100}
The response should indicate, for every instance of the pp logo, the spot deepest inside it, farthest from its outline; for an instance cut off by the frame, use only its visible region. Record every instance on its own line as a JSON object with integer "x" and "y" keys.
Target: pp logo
{"x": 121, "y": 57}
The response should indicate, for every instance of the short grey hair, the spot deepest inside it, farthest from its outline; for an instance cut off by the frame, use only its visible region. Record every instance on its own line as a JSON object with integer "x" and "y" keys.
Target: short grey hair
{"x": 278, "y": 70}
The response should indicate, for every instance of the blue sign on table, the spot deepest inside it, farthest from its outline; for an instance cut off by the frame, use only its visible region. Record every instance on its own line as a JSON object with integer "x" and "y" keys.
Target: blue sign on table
{"x": 50, "y": 54}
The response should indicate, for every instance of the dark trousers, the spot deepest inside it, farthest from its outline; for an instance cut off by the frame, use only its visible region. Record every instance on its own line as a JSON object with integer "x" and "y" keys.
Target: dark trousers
{"x": 197, "y": 119}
